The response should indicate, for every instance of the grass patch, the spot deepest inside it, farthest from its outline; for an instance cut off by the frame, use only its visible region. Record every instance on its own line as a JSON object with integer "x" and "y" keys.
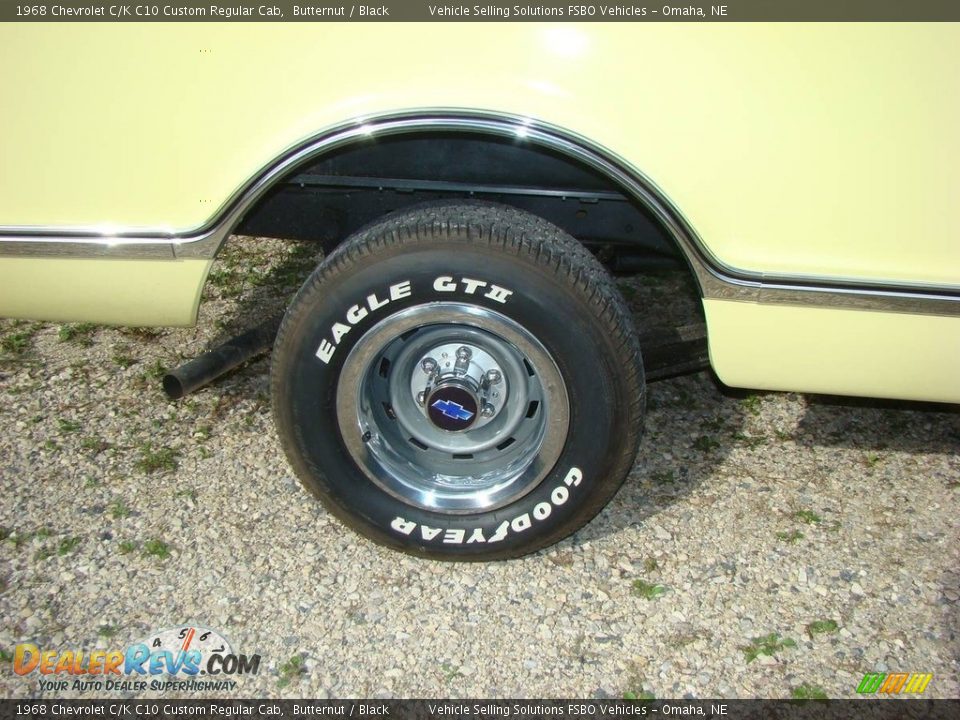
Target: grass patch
{"x": 663, "y": 477}
{"x": 80, "y": 334}
{"x": 154, "y": 460}
{"x": 292, "y": 271}
{"x": 67, "y": 546}
{"x": 767, "y": 645}
{"x": 807, "y": 516}
{"x": 124, "y": 361}
{"x": 119, "y": 510}
{"x": 68, "y": 426}
{"x": 751, "y": 403}
{"x": 17, "y": 343}
{"x": 639, "y": 695}
{"x": 231, "y": 281}
{"x": 126, "y": 547}
{"x": 141, "y": 333}
{"x": 94, "y": 445}
{"x": 189, "y": 494}
{"x": 156, "y": 548}
{"x": 751, "y": 441}
{"x": 19, "y": 539}
{"x": 808, "y": 692}
{"x": 107, "y": 631}
{"x": 871, "y": 460}
{"x": 791, "y": 537}
{"x": 6, "y": 657}
{"x": 705, "y": 443}
{"x": 716, "y": 424}
{"x": 647, "y": 591}
{"x": 450, "y": 672}
{"x": 155, "y": 370}
{"x": 822, "y": 627}
{"x": 290, "y": 670}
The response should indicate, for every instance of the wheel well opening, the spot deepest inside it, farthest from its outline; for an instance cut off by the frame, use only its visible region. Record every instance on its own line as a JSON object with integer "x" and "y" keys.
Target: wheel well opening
{"x": 325, "y": 199}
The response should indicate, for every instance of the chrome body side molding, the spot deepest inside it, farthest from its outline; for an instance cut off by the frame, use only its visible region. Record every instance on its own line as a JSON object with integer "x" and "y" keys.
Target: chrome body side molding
{"x": 716, "y": 280}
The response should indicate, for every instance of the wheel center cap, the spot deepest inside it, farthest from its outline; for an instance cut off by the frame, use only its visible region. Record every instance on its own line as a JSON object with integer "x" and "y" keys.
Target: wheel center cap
{"x": 452, "y": 407}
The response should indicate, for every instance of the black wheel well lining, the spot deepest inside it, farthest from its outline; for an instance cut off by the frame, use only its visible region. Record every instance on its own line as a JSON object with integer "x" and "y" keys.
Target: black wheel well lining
{"x": 326, "y": 198}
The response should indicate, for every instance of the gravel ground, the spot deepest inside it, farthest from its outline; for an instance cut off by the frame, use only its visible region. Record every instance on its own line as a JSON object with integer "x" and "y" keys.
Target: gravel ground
{"x": 821, "y": 531}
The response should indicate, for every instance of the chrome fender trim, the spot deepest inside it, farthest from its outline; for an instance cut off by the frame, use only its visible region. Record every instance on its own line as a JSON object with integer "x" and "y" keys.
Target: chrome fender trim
{"x": 715, "y": 278}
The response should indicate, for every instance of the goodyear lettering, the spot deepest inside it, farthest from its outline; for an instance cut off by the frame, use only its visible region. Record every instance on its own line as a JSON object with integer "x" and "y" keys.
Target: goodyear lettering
{"x": 501, "y": 532}
{"x": 476, "y": 536}
{"x": 454, "y": 536}
{"x": 458, "y": 536}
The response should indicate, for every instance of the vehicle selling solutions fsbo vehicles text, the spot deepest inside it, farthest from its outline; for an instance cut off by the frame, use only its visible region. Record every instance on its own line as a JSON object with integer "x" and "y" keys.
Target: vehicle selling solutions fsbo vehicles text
{"x": 574, "y": 11}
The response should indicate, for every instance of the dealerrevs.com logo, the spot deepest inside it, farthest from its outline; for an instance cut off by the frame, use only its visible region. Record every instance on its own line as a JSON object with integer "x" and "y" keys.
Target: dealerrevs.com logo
{"x": 181, "y": 658}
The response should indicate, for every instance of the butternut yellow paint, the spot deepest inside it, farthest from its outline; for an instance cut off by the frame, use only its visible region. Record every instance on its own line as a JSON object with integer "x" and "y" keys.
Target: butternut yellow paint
{"x": 824, "y": 149}
{"x": 844, "y": 352}
{"x": 118, "y": 292}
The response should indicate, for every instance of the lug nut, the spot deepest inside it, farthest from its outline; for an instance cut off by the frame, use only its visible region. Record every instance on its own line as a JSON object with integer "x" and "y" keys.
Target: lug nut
{"x": 494, "y": 376}
{"x": 488, "y": 410}
{"x": 428, "y": 365}
{"x": 464, "y": 353}
{"x": 421, "y": 397}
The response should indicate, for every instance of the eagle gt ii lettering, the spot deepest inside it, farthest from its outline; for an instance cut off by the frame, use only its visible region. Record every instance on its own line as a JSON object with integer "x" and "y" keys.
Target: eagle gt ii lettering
{"x": 444, "y": 284}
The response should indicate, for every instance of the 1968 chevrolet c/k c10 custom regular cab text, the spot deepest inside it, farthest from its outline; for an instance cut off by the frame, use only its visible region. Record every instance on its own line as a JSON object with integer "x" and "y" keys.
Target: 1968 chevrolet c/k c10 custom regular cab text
{"x": 459, "y": 378}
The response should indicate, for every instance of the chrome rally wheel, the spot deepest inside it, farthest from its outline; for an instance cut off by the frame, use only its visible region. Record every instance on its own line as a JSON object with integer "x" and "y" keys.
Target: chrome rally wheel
{"x": 454, "y": 408}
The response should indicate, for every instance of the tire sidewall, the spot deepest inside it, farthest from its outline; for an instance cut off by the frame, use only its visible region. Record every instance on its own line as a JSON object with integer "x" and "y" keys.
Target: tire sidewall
{"x": 532, "y": 294}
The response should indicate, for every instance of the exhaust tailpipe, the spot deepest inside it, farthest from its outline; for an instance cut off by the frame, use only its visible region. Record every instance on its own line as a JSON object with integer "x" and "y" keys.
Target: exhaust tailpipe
{"x": 212, "y": 364}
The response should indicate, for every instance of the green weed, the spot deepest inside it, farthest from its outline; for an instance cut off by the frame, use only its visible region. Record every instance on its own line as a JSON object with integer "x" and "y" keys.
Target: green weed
{"x": 647, "y": 591}
{"x": 157, "y": 459}
{"x": 156, "y": 548}
{"x": 291, "y": 669}
{"x": 705, "y": 443}
{"x": 822, "y": 627}
{"x": 67, "y": 545}
{"x": 807, "y": 516}
{"x": 68, "y": 426}
{"x": 808, "y": 692}
{"x": 791, "y": 536}
{"x": 81, "y": 334}
{"x": 751, "y": 404}
{"x": 767, "y": 645}
{"x": 119, "y": 510}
